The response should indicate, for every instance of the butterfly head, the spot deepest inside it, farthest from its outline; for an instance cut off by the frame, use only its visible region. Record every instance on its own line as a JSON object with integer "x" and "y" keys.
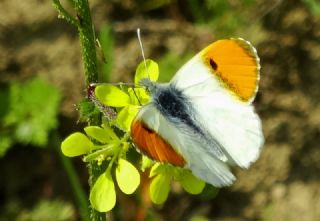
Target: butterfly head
{"x": 149, "y": 85}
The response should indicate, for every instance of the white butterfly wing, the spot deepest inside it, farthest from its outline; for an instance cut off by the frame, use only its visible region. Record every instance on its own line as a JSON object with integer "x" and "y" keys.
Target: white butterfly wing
{"x": 220, "y": 82}
{"x": 235, "y": 126}
{"x": 220, "y": 109}
{"x": 190, "y": 146}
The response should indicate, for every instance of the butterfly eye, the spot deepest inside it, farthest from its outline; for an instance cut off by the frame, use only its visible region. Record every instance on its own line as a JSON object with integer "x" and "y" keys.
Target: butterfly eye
{"x": 213, "y": 64}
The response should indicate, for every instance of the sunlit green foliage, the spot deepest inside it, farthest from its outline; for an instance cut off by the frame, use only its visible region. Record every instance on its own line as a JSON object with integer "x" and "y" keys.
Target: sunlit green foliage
{"x": 127, "y": 172}
{"x": 163, "y": 174}
{"x": 28, "y": 113}
{"x": 80, "y": 141}
{"x": 147, "y": 69}
{"x": 103, "y": 194}
{"x": 159, "y": 188}
{"x": 190, "y": 183}
{"x": 112, "y": 95}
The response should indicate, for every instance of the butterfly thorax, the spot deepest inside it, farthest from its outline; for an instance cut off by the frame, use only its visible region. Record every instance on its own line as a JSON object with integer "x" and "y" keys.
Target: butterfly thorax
{"x": 171, "y": 102}
{"x": 177, "y": 108}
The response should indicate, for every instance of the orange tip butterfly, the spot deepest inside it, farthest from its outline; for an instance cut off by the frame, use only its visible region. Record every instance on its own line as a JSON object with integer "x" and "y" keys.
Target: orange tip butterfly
{"x": 203, "y": 119}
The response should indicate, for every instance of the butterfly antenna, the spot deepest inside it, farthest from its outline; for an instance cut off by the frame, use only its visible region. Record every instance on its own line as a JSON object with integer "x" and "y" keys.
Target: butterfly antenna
{"x": 142, "y": 51}
{"x": 135, "y": 94}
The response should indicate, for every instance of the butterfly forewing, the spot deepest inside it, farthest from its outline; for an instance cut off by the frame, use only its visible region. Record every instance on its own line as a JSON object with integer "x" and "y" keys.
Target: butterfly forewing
{"x": 217, "y": 86}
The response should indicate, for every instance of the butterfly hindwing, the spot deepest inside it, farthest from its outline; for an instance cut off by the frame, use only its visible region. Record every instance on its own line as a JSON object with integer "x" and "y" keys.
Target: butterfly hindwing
{"x": 187, "y": 145}
{"x": 236, "y": 127}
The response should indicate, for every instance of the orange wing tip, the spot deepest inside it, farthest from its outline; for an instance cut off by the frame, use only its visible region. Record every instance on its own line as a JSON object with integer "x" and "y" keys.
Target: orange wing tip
{"x": 236, "y": 64}
{"x": 250, "y": 49}
{"x": 151, "y": 144}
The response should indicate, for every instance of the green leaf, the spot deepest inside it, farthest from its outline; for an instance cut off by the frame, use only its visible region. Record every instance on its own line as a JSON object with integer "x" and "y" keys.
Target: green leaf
{"x": 103, "y": 194}
{"x": 190, "y": 183}
{"x": 32, "y": 111}
{"x": 76, "y": 144}
{"x": 155, "y": 169}
{"x": 88, "y": 112}
{"x": 159, "y": 188}
{"x": 139, "y": 96}
{"x": 146, "y": 163}
{"x": 101, "y": 152}
{"x": 98, "y": 134}
{"x": 127, "y": 176}
{"x": 109, "y": 131}
{"x": 147, "y": 69}
{"x": 159, "y": 168}
{"x": 112, "y": 96}
{"x": 126, "y": 116}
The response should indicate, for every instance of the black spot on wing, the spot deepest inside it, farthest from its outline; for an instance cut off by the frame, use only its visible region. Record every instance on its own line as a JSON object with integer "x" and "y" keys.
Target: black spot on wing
{"x": 213, "y": 64}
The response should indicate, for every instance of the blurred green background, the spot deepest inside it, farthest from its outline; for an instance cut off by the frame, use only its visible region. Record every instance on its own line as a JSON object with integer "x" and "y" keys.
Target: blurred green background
{"x": 42, "y": 80}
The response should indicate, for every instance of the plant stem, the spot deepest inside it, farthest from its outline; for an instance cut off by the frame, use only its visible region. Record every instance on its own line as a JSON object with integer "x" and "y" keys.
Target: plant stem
{"x": 89, "y": 57}
{"x": 63, "y": 13}
{"x": 88, "y": 47}
{"x": 87, "y": 40}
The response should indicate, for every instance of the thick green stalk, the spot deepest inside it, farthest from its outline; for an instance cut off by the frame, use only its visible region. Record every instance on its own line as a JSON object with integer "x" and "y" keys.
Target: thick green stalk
{"x": 88, "y": 48}
{"x": 87, "y": 40}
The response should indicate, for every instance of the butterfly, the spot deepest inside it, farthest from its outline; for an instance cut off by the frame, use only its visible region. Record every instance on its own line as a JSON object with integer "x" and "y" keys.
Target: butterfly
{"x": 203, "y": 119}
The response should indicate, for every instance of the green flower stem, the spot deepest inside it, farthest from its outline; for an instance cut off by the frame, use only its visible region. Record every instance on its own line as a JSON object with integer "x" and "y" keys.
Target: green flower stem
{"x": 114, "y": 157}
{"x": 108, "y": 150}
{"x": 117, "y": 150}
{"x": 86, "y": 33}
{"x": 63, "y": 13}
{"x": 89, "y": 57}
{"x": 125, "y": 137}
{"x": 87, "y": 41}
